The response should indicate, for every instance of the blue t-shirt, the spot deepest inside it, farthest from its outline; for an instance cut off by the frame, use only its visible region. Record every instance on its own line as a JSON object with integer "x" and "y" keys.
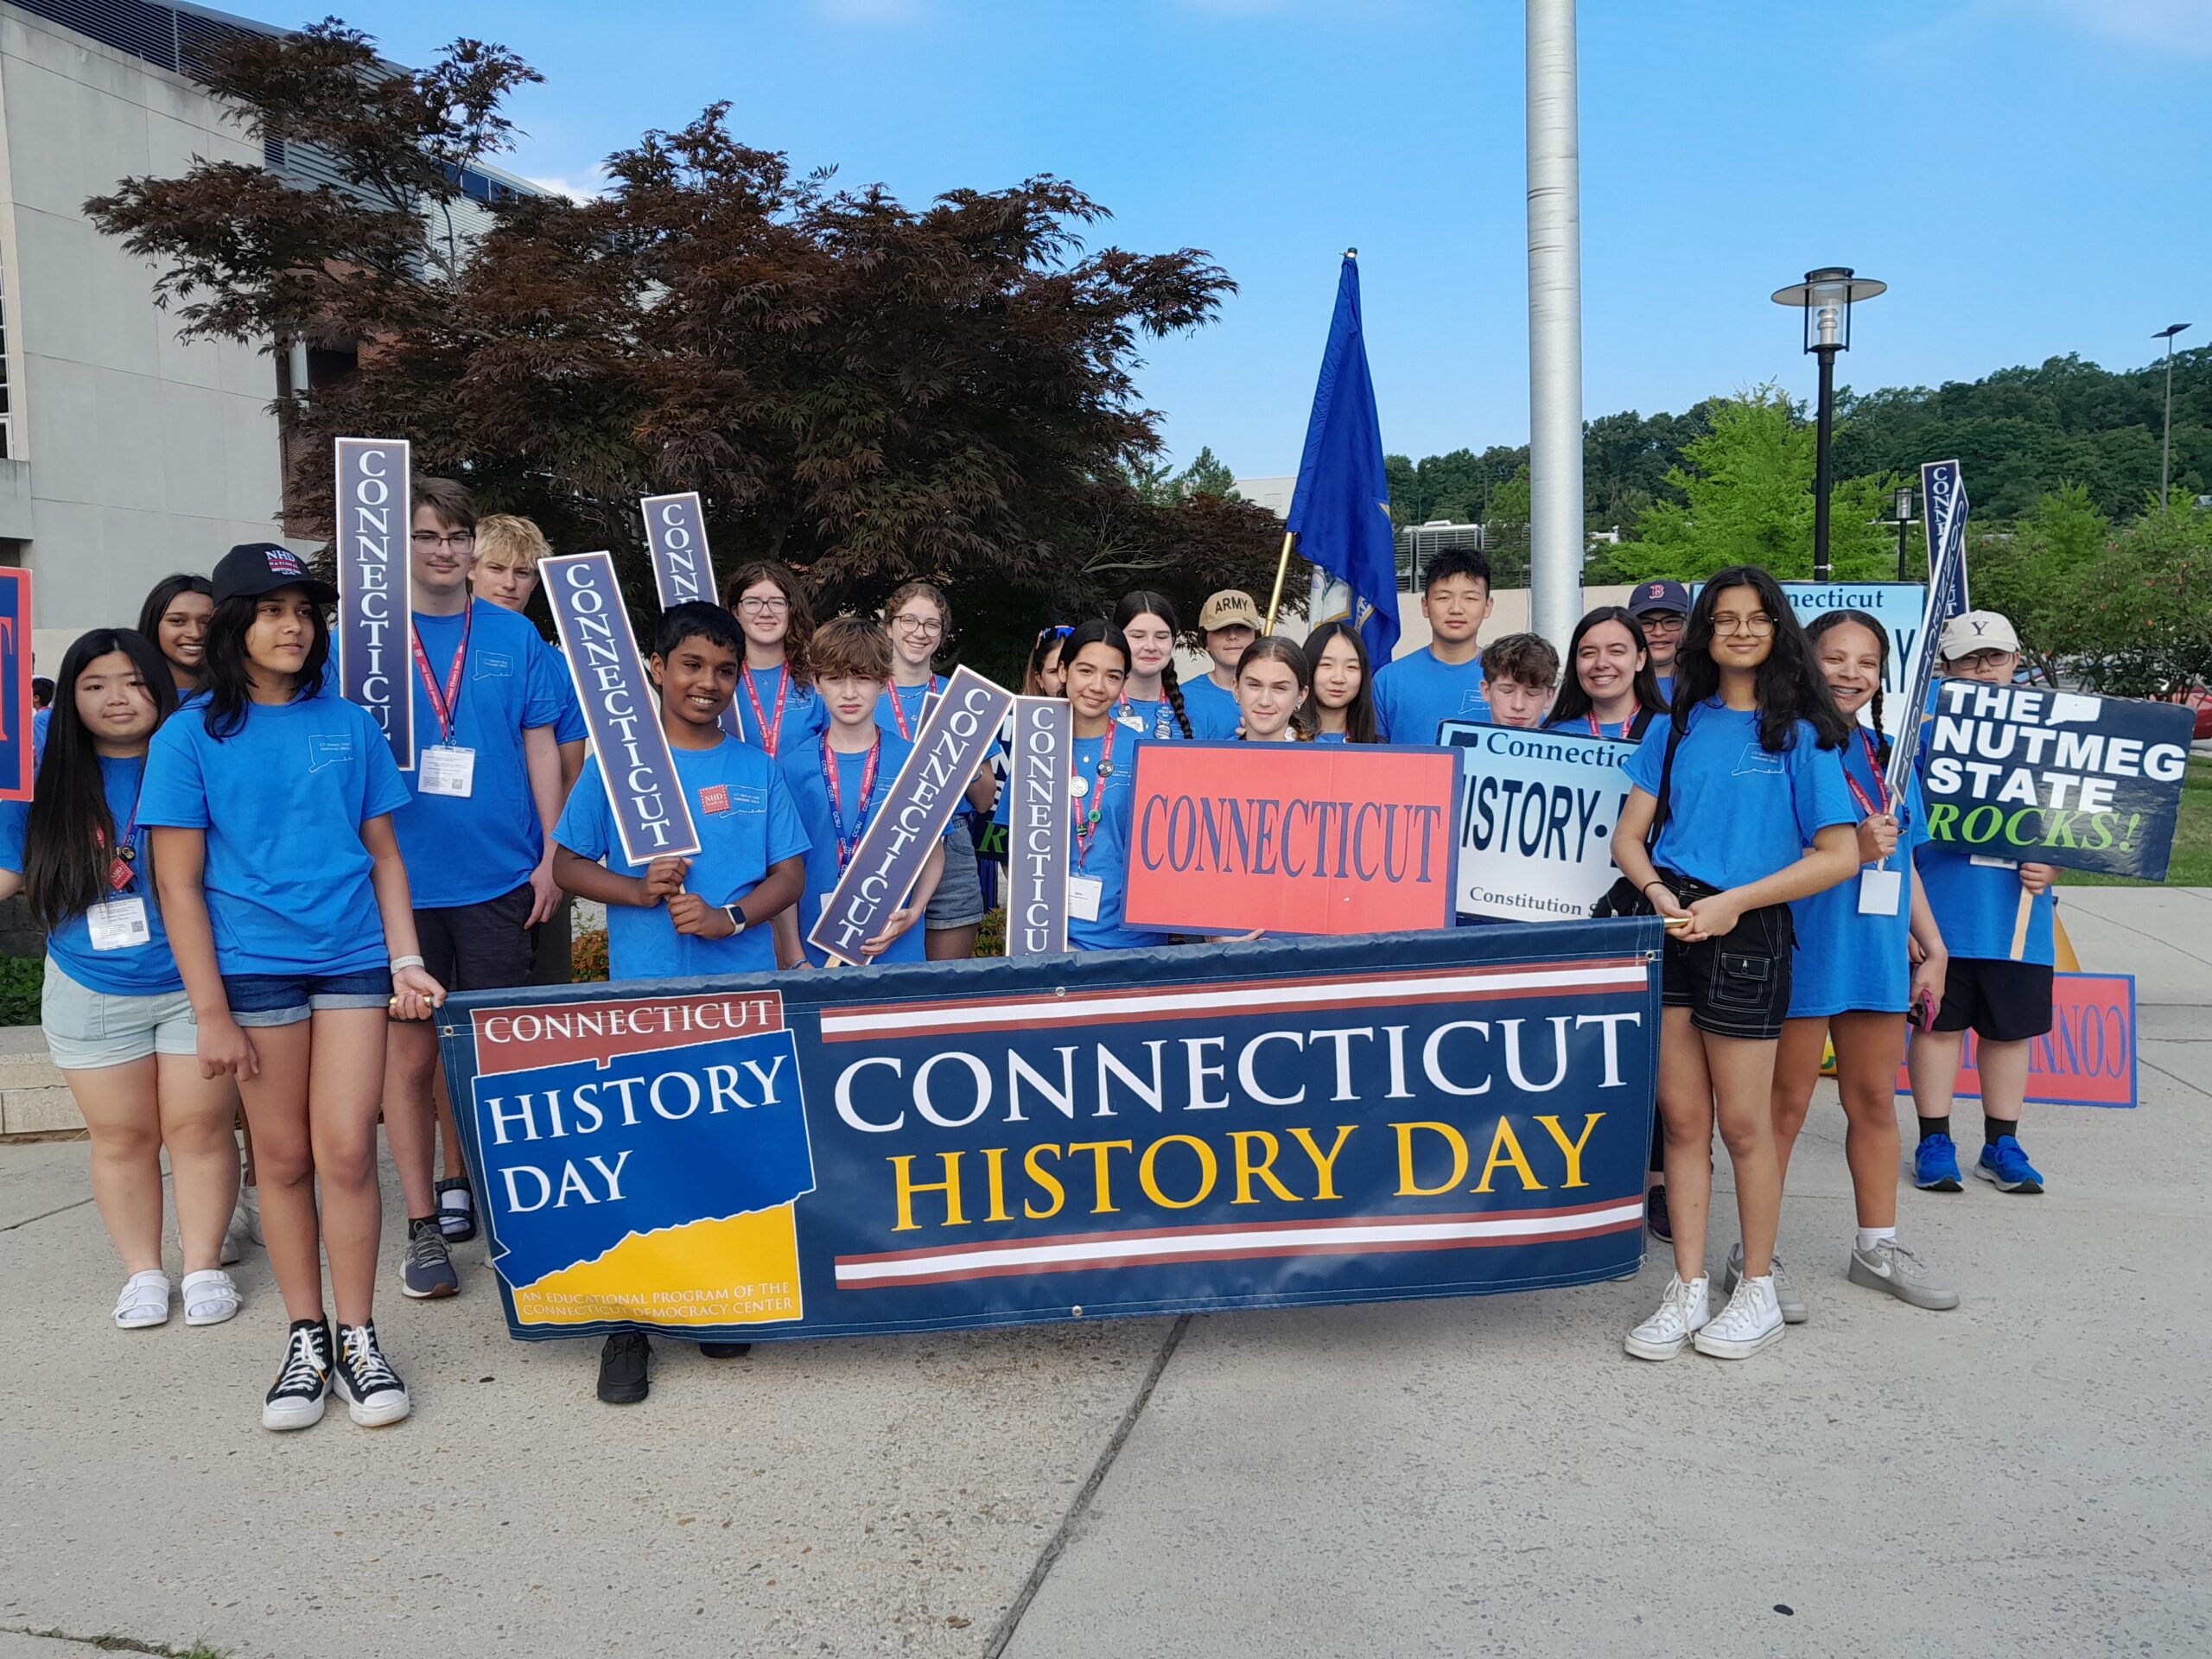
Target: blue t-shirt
{"x": 283, "y": 800}
{"x": 802, "y": 770}
{"x": 1107, "y": 854}
{"x": 1155, "y": 718}
{"x": 470, "y": 850}
{"x": 568, "y": 727}
{"x": 746, "y": 823}
{"x": 146, "y": 969}
{"x": 1847, "y": 963}
{"x": 1977, "y": 907}
{"x": 1214, "y": 713}
{"x": 1415, "y": 695}
{"x": 803, "y": 714}
{"x": 1666, "y": 688}
{"x": 1331, "y": 737}
{"x": 1737, "y": 813}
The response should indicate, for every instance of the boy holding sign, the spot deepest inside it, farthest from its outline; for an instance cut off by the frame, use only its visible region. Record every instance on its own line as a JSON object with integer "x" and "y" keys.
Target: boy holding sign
{"x": 706, "y": 914}
{"x": 1996, "y": 918}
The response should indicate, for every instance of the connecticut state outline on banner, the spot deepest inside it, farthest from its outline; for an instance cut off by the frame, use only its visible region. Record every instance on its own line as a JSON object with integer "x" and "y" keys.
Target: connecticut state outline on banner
{"x": 1451, "y": 1112}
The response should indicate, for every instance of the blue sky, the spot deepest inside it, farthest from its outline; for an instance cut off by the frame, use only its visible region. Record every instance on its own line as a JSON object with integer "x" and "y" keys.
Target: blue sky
{"x": 2028, "y": 176}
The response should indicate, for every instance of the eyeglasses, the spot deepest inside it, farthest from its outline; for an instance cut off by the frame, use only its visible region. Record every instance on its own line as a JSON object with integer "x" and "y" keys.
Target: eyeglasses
{"x": 460, "y": 538}
{"x": 1757, "y": 622}
{"x": 925, "y": 627}
{"x": 763, "y": 606}
{"x": 1981, "y": 658}
{"x": 1661, "y": 622}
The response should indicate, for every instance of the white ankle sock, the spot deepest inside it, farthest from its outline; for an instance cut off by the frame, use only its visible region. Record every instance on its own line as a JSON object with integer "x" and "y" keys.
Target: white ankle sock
{"x": 1870, "y": 1236}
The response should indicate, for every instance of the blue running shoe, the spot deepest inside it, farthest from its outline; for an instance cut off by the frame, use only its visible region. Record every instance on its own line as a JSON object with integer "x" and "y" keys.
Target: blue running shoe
{"x": 1936, "y": 1165}
{"x": 2007, "y": 1168}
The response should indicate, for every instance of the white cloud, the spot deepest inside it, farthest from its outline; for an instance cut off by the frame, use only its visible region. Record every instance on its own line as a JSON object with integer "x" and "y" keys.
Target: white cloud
{"x": 2172, "y": 27}
{"x": 592, "y": 186}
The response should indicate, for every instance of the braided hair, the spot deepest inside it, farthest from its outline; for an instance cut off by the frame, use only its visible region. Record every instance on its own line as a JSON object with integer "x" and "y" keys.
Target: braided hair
{"x": 1143, "y": 601}
{"x": 1825, "y": 620}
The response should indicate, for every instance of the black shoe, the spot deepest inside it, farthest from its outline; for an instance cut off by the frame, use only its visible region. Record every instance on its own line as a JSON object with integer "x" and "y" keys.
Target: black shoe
{"x": 725, "y": 1350}
{"x": 372, "y": 1392}
{"x": 1655, "y": 1214}
{"x": 295, "y": 1399}
{"x": 624, "y": 1362}
{"x": 426, "y": 1269}
{"x": 457, "y": 1209}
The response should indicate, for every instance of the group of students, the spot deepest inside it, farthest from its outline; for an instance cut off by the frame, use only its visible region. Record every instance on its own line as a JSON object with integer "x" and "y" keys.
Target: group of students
{"x": 254, "y": 912}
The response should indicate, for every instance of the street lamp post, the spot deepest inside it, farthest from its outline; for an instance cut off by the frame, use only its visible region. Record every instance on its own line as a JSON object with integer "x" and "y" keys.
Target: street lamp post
{"x": 1825, "y": 297}
{"x": 2166, "y": 449}
{"x": 1902, "y": 513}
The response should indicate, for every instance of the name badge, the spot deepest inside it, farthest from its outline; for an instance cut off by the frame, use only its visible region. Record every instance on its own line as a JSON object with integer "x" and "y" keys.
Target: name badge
{"x": 1086, "y": 893}
{"x": 1981, "y": 864}
{"x": 443, "y": 769}
{"x": 118, "y": 924}
{"x": 1881, "y": 893}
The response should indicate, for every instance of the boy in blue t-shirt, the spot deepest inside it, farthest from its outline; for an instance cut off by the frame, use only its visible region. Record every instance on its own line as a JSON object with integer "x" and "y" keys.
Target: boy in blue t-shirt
{"x": 706, "y": 914}
{"x": 1997, "y": 919}
{"x": 1661, "y": 609}
{"x": 1228, "y": 623}
{"x": 1415, "y": 695}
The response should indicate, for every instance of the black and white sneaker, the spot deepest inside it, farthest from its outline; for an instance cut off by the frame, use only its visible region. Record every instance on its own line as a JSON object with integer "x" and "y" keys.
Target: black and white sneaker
{"x": 295, "y": 1400}
{"x": 372, "y": 1392}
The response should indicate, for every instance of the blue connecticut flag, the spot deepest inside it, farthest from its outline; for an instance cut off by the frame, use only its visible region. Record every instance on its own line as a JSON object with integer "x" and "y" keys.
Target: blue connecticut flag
{"x": 1341, "y": 511}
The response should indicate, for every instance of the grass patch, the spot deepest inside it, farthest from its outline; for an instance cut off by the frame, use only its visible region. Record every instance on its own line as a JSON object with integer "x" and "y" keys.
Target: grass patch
{"x": 2192, "y": 860}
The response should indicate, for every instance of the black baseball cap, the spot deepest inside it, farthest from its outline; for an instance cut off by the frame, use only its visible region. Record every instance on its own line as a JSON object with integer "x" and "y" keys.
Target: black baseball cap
{"x": 1663, "y": 597}
{"x": 252, "y": 568}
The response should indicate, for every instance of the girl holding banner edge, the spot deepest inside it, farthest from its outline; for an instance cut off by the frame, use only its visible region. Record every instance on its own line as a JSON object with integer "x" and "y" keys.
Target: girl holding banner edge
{"x": 1872, "y": 951}
{"x": 293, "y": 960}
{"x": 918, "y": 618}
{"x": 1738, "y": 783}
{"x": 1343, "y": 703}
{"x": 775, "y": 699}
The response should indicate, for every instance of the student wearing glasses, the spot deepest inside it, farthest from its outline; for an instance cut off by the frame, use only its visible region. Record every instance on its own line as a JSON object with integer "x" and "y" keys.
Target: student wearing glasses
{"x": 776, "y": 701}
{"x": 1660, "y": 609}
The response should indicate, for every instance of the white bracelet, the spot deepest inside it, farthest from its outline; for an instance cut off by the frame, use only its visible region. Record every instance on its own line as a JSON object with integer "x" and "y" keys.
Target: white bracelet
{"x": 399, "y": 962}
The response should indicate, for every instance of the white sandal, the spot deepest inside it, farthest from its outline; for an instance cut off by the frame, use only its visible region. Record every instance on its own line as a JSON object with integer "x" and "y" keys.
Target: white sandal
{"x": 210, "y": 1297}
{"x": 144, "y": 1302}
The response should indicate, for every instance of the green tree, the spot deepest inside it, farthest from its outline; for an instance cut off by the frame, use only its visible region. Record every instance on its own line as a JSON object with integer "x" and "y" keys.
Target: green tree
{"x": 1747, "y": 498}
{"x": 1207, "y": 474}
{"x": 2135, "y": 620}
{"x": 2030, "y": 572}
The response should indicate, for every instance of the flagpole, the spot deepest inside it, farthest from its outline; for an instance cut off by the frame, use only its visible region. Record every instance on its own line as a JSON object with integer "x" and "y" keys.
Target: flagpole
{"x": 1282, "y": 569}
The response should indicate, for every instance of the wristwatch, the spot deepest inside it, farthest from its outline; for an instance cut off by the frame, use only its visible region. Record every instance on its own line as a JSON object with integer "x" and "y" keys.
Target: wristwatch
{"x": 736, "y": 919}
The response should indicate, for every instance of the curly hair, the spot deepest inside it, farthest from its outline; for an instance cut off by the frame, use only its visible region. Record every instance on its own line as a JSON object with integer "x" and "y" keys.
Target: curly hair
{"x": 800, "y": 633}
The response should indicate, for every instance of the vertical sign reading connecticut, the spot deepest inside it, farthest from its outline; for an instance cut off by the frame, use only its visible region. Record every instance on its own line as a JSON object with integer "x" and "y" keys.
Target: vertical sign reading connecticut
{"x": 963, "y": 722}
{"x": 1039, "y": 772}
{"x": 620, "y": 710}
{"x": 375, "y": 595}
{"x": 18, "y": 761}
{"x": 1943, "y": 508}
{"x": 675, "y": 534}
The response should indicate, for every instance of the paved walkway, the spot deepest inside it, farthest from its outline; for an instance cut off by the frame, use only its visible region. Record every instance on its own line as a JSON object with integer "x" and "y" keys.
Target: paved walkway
{"x": 2029, "y": 1475}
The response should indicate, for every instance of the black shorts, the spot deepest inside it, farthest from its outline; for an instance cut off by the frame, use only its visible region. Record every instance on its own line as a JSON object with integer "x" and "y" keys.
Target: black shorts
{"x": 479, "y": 947}
{"x": 1999, "y": 1002}
{"x": 1737, "y": 985}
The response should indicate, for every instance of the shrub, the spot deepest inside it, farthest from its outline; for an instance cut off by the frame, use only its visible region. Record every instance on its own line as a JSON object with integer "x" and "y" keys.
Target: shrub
{"x": 20, "y": 980}
{"x": 587, "y": 956}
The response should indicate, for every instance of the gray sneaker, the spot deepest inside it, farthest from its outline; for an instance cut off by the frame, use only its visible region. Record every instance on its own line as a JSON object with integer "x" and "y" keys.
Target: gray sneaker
{"x": 1891, "y": 1267}
{"x": 1794, "y": 1311}
{"x": 428, "y": 1271}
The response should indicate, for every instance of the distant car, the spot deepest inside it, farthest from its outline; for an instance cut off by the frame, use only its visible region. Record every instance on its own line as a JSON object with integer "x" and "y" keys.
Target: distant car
{"x": 2201, "y": 699}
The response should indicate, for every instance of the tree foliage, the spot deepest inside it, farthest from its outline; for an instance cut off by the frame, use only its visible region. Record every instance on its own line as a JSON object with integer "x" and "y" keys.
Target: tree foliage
{"x": 867, "y": 391}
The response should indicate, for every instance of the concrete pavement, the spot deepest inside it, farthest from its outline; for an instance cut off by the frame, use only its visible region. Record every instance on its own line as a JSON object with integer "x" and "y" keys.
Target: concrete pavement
{"x": 2028, "y": 1475}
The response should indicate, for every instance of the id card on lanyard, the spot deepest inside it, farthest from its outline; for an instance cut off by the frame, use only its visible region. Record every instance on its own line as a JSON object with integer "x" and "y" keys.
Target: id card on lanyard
{"x": 1881, "y": 890}
{"x": 443, "y": 768}
{"x": 120, "y": 922}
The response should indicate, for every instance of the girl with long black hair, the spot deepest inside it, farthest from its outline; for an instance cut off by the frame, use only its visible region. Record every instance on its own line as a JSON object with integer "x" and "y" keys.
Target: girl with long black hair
{"x": 175, "y": 619}
{"x": 1343, "y": 704}
{"x": 1872, "y": 951}
{"x": 117, "y": 1019}
{"x": 288, "y": 907}
{"x": 1749, "y": 766}
{"x": 1609, "y": 689}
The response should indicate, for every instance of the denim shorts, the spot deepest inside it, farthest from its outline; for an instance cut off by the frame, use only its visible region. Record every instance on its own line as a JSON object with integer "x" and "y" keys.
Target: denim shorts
{"x": 86, "y": 1030}
{"x": 958, "y": 901}
{"x": 287, "y": 999}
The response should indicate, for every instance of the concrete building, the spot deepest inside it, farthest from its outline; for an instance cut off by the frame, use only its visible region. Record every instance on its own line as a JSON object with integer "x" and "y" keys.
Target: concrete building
{"x": 124, "y": 454}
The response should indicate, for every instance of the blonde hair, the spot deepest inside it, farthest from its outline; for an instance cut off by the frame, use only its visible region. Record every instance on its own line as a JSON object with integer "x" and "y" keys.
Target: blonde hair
{"x": 504, "y": 537}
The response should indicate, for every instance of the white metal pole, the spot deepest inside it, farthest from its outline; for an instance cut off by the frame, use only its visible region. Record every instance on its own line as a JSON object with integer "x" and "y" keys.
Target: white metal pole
{"x": 1555, "y": 540}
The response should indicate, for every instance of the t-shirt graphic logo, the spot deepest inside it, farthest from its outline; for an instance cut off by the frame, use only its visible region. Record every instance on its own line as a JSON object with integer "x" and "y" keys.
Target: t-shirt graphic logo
{"x": 494, "y": 665}
{"x": 1756, "y": 762}
{"x": 715, "y": 799}
{"x": 1472, "y": 703}
{"x": 329, "y": 749}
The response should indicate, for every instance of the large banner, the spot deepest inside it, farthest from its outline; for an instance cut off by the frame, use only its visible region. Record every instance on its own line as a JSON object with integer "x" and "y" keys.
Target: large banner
{"x": 1536, "y": 820}
{"x": 1293, "y": 837}
{"x": 375, "y": 587}
{"x": 621, "y": 712}
{"x": 1039, "y": 779}
{"x": 2056, "y": 776}
{"x": 2088, "y": 1057}
{"x": 1096, "y": 1136}
{"x": 18, "y": 760}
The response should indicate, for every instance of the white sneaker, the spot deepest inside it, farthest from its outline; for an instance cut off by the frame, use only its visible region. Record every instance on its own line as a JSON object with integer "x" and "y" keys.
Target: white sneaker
{"x": 234, "y": 1238}
{"x": 1682, "y": 1310}
{"x": 1751, "y": 1321}
{"x": 1794, "y": 1311}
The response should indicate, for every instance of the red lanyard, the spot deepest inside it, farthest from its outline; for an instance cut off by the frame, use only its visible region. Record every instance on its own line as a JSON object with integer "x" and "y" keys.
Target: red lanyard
{"x": 847, "y": 845}
{"x": 1881, "y": 784}
{"x": 770, "y": 735}
{"x": 898, "y": 708}
{"x": 1087, "y": 831}
{"x": 446, "y": 704}
{"x": 1628, "y": 726}
{"x": 120, "y": 868}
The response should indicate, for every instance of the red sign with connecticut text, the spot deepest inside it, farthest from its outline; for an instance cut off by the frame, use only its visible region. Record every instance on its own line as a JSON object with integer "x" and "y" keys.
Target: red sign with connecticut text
{"x": 1293, "y": 837}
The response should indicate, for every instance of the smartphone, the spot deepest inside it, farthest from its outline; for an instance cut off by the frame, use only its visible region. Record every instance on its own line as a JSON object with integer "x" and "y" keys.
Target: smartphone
{"x": 1922, "y": 1015}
